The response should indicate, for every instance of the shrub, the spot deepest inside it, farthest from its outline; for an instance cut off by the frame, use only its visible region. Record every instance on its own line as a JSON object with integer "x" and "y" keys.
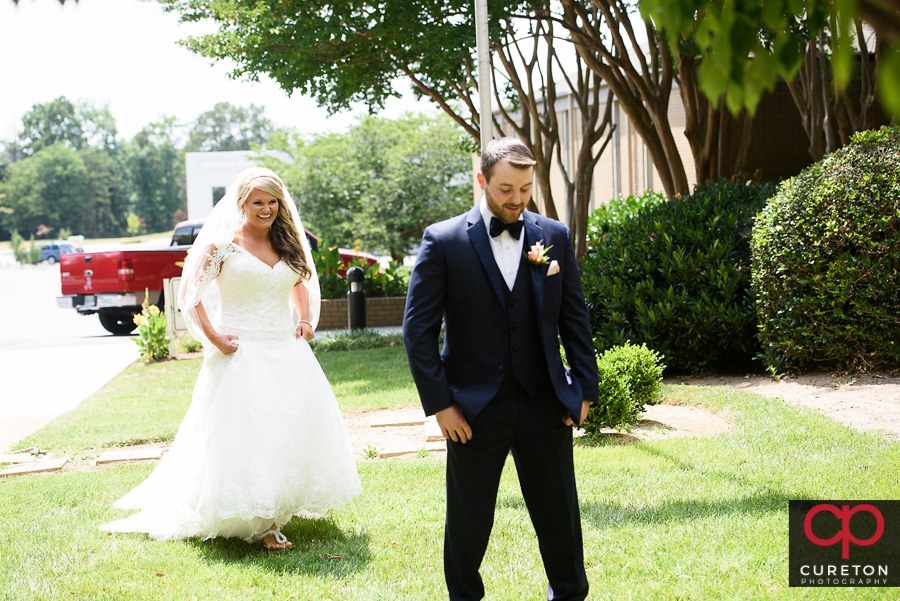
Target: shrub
{"x": 328, "y": 263}
{"x": 33, "y": 256}
{"x": 16, "y": 243}
{"x": 630, "y": 377}
{"x": 826, "y": 261}
{"x": 153, "y": 339}
{"x": 355, "y": 340}
{"x": 393, "y": 281}
{"x": 617, "y": 211}
{"x": 187, "y": 343}
{"x": 676, "y": 276}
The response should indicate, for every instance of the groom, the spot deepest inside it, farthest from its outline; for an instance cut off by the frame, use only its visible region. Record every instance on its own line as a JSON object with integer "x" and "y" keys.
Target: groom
{"x": 499, "y": 383}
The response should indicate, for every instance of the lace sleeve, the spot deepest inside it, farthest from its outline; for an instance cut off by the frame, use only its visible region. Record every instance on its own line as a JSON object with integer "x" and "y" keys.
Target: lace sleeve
{"x": 199, "y": 272}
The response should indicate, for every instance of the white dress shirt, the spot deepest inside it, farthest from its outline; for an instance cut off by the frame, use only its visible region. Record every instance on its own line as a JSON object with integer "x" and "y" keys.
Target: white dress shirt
{"x": 507, "y": 250}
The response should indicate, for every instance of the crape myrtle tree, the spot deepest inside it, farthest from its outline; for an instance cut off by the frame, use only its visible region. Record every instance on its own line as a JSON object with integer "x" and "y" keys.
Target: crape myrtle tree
{"x": 530, "y": 55}
{"x": 819, "y": 47}
{"x": 640, "y": 66}
{"x": 345, "y": 52}
{"x": 829, "y": 113}
{"x": 641, "y": 77}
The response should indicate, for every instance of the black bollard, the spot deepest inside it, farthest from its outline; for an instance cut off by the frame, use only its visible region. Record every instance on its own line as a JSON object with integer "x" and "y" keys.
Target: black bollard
{"x": 356, "y": 299}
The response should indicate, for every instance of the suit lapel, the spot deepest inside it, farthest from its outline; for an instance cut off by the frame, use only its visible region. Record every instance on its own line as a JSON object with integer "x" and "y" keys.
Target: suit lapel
{"x": 481, "y": 242}
{"x": 534, "y": 234}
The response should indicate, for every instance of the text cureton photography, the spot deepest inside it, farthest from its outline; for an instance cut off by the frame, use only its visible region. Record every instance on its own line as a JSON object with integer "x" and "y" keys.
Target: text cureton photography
{"x": 844, "y": 543}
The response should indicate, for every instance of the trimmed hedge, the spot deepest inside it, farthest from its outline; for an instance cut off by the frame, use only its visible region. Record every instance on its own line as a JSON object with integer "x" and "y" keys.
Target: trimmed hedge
{"x": 676, "y": 276}
{"x": 826, "y": 261}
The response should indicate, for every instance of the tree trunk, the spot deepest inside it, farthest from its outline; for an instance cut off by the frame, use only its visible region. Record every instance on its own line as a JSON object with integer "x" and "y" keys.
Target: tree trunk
{"x": 643, "y": 94}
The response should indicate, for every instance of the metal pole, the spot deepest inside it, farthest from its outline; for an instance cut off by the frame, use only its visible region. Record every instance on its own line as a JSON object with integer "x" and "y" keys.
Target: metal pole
{"x": 484, "y": 71}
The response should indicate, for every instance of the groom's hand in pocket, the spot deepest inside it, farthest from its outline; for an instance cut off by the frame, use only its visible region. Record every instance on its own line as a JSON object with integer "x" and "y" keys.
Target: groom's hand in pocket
{"x": 453, "y": 424}
{"x": 585, "y": 405}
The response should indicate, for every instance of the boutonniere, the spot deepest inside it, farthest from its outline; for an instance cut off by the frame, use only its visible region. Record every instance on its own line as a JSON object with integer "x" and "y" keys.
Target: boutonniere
{"x": 538, "y": 254}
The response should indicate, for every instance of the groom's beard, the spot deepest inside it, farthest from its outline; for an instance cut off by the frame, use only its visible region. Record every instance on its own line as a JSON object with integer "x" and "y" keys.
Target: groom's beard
{"x": 503, "y": 211}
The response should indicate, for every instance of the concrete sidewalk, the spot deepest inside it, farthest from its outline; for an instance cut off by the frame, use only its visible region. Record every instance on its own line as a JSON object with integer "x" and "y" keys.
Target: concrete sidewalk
{"x": 40, "y": 384}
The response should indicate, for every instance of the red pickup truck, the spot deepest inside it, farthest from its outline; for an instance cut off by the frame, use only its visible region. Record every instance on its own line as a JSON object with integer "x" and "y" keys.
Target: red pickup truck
{"x": 112, "y": 284}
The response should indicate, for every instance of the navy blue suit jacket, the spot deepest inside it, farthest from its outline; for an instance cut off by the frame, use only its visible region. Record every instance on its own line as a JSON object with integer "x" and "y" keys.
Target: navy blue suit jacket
{"x": 456, "y": 280}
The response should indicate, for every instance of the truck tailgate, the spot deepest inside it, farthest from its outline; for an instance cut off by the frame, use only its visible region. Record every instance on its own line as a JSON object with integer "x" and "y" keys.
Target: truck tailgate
{"x": 99, "y": 273}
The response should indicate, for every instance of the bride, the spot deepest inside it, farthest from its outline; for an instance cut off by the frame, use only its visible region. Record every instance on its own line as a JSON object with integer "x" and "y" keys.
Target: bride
{"x": 263, "y": 439}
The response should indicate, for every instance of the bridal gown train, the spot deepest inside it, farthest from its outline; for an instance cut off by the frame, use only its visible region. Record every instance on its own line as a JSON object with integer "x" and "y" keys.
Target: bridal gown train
{"x": 263, "y": 439}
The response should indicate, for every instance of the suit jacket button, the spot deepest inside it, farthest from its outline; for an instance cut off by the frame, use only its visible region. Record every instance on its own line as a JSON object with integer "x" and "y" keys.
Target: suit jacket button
{"x": 500, "y": 368}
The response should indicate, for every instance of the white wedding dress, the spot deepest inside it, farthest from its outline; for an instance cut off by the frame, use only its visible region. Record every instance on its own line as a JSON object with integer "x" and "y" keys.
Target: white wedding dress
{"x": 263, "y": 439}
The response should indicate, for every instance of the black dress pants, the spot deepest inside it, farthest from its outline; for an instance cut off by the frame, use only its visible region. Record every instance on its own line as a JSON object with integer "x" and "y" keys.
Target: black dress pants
{"x": 531, "y": 427}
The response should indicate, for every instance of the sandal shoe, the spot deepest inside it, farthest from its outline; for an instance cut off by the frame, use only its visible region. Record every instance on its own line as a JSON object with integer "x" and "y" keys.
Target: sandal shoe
{"x": 280, "y": 539}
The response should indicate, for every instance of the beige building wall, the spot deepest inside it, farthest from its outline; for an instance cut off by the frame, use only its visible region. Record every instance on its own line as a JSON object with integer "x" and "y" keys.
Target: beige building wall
{"x": 778, "y": 149}
{"x": 625, "y": 167}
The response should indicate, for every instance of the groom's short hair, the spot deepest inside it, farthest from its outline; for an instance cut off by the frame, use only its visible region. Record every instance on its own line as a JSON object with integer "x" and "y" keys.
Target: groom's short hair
{"x": 511, "y": 150}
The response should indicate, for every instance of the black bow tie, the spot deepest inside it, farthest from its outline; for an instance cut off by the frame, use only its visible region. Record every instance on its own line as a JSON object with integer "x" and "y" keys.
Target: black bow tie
{"x": 514, "y": 228}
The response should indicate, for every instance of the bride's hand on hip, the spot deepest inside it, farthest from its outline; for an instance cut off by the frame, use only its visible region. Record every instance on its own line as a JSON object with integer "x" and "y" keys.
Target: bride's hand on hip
{"x": 305, "y": 331}
{"x": 225, "y": 343}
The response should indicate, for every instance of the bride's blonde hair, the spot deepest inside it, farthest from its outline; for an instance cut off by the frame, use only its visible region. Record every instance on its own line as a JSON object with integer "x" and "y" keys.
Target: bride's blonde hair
{"x": 283, "y": 234}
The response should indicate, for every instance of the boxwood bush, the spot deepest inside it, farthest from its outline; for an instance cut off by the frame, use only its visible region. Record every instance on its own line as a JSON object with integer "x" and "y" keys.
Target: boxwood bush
{"x": 676, "y": 276}
{"x": 826, "y": 261}
{"x": 630, "y": 377}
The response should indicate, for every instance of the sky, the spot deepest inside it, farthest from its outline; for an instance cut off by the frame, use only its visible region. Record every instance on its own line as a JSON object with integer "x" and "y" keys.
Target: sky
{"x": 125, "y": 52}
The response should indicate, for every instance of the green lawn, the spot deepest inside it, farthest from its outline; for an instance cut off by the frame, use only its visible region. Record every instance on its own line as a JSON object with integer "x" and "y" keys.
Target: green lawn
{"x": 147, "y": 402}
{"x": 672, "y": 519}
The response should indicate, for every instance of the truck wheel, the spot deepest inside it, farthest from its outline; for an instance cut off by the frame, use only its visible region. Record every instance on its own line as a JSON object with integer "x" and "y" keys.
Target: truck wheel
{"x": 118, "y": 323}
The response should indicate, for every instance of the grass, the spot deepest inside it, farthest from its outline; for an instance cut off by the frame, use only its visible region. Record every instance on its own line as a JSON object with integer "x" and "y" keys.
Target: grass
{"x": 671, "y": 519}
{"x": 370, "y": 379}
{"x": 145, "y": 403}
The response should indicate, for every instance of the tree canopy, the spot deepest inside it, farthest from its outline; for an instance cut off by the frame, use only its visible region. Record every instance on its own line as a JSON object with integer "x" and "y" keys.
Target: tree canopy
{"x": 381, "y": 183}
{"x": 341, "y": 52}
{"x": 748, "y": 44}
{"x": 227, "y": 127}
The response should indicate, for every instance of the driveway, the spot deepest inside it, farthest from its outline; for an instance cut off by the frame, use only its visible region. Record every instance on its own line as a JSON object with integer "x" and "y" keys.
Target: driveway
{"x": 51, "y": 359}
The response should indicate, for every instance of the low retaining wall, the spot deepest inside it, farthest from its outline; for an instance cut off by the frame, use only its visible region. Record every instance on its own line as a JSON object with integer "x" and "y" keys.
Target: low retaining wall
{"x": 386, "y": 311}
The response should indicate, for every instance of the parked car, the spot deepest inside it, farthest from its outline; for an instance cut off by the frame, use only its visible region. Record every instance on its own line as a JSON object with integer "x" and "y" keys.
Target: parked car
{"x": 51, "y": 252}
{"x": 114, "y": 284}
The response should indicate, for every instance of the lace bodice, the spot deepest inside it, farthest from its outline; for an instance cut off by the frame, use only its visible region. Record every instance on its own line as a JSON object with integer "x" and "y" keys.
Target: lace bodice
{"x": 253, "y": 297}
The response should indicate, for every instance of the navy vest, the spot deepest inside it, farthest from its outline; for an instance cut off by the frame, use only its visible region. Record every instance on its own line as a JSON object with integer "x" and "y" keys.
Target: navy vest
{"x": 525, "y": 361}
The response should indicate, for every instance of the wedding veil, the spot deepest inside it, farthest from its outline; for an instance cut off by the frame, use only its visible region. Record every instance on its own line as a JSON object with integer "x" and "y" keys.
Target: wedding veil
{"x": 211, "y": 247}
